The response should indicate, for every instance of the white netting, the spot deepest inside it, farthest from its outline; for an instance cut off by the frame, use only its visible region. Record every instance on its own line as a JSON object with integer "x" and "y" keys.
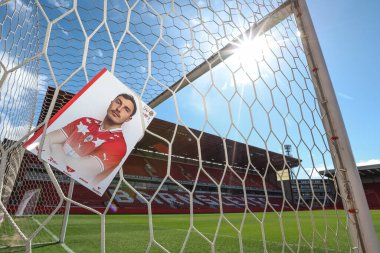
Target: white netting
{"x": 233, "y": 79}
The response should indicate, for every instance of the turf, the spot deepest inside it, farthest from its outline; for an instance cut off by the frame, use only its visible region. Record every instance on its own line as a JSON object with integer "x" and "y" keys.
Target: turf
{"x": 309, "y": 232}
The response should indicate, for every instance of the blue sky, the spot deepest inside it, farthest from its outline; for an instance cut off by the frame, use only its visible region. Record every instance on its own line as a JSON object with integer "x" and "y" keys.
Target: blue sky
{"x": 349, "y": 34}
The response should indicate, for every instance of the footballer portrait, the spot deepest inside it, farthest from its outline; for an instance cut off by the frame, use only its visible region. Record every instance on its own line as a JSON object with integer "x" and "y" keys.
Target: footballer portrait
{"x": 91, "y": 136}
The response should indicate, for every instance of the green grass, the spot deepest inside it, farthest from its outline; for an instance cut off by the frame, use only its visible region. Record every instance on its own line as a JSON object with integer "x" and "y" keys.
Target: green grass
{"x": 130, "y": 233}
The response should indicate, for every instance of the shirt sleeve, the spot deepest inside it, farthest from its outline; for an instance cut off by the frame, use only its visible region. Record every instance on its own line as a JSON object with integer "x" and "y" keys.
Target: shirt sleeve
{"x": 71, "y": 127}
{"x": 110, "y": 154}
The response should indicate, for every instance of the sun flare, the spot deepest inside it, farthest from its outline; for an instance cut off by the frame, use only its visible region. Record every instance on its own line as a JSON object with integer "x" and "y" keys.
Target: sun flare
{"x": 249, "y": 50}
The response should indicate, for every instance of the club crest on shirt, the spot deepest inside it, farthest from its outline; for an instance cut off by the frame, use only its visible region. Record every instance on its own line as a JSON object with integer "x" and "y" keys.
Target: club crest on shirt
{"x": 89, "y": 138}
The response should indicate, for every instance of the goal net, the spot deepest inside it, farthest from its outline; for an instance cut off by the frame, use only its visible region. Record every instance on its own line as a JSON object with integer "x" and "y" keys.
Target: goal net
{"x": 242, "y": 130}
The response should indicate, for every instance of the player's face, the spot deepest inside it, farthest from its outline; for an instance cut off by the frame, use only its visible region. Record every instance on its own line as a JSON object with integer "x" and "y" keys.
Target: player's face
{"x": 120, "y": 110}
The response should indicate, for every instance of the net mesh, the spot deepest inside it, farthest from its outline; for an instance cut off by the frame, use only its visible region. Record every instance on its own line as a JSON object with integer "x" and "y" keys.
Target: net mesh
{"x": 232, "y": 88}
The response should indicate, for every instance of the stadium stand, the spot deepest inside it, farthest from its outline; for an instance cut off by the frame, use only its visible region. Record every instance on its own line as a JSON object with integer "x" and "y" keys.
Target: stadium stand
{"x": 148, "y": 165}
{"x": 370, "y": 177}
{"x": 143, "y": 171}
{"x": 372, "y": 192}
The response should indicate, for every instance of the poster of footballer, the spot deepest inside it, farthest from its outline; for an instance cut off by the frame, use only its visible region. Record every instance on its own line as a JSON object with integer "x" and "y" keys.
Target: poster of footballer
{"x": 92, "y": 135}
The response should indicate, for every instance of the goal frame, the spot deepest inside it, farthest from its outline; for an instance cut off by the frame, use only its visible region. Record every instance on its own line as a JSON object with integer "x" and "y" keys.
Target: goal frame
{"x": 361, "y": 227}
{"x": 362, "y": 230}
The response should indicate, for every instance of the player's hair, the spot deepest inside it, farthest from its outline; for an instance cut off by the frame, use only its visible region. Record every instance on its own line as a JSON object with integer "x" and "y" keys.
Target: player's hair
{"x": 130, "y": 98}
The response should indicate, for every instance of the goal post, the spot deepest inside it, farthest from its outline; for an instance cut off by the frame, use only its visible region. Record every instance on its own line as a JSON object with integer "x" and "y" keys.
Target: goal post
{"x": 236, "y": 86}
{"x": 332, "y": 118}
{"x": 355, "y": 203}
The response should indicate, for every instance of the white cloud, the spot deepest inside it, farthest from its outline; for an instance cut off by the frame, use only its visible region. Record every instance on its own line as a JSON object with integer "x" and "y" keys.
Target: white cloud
{"x": 194, "y": 22}
{"x": 16, "y": 108}
{"x": 10, "y": 130}
{"x": 60, "y": 3}
{"x": 43, "y": 80}
{"x": 63, "y": 30}
{"x": 99, "y": 53}
{"x": 345, "y": 96}
{"x": 202, "y": 3}
{"x": 369, "y": 162}
{"x": 96, "y": 55}
{"x": 19, "y": 5}
{"x": 313, "y": 173}
{"x": 142, "y": 69}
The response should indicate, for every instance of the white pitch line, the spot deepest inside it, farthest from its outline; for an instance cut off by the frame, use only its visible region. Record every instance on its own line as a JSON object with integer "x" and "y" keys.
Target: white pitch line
{"x": 64, "y": 246}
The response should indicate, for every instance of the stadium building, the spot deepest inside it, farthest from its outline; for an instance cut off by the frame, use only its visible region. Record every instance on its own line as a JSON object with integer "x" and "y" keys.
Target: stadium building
{"x": 370, "y": 176}
{"x": 313, "y": 192}
{"x": 148, "y": 166}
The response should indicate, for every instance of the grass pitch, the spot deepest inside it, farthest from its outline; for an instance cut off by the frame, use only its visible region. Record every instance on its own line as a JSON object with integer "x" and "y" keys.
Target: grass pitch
{"x": 309, "y": 231}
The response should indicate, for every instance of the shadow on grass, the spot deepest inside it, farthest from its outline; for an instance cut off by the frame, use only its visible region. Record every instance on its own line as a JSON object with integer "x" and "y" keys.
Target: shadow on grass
{"x": 21, "y": 248}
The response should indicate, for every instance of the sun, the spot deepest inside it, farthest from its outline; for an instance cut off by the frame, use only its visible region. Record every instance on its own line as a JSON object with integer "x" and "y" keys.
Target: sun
{"x": 251, "y": 49}
{"x": 245, "y": 61}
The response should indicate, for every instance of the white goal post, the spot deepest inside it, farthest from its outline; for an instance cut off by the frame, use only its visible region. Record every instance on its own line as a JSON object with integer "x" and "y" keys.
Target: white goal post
{"x": 231, "y": 75}
{"x": 350, "y": 185}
